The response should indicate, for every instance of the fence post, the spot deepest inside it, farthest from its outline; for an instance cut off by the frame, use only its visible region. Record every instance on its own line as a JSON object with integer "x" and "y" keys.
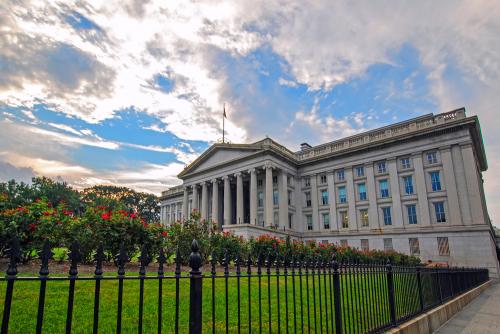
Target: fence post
{"x": 420, "y": 292}
{"x": 439, "y": 286}
{"x": 195, "y": 301}
{"x": 390, "y": 290}
{"x": 336, "y": 295}
{"x": 14, "y": 259}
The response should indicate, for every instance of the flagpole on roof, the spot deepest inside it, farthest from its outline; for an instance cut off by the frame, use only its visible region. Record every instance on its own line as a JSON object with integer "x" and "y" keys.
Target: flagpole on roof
{"x": 223, "y": 116}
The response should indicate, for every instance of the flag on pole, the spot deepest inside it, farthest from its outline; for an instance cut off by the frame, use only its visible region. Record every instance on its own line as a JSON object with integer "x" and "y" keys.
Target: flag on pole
{"x": 224, "y": 111}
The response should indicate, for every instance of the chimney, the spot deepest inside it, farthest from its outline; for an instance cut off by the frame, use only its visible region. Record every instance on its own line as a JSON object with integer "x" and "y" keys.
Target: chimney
{"x": 305, "y": 146}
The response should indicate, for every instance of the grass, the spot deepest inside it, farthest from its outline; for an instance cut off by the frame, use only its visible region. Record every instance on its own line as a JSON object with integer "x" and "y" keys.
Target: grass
{"x": 364, "y": 304}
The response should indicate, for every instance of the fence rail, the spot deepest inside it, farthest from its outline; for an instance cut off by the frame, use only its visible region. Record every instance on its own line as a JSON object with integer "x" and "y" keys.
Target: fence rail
{"x": 273, "y": 294}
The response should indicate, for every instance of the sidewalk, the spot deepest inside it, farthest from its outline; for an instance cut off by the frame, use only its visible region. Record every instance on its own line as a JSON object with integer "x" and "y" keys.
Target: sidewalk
{"x": 482, "y": 315}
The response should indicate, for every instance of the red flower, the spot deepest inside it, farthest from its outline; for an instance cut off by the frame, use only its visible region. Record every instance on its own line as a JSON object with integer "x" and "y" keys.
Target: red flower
{"x": 46, "y": 213}
{"x": 59, "y": 223}
{"x": 31, "y": 227}
{"x": 146, "y": 225}
{"x": 105, "y": 216}
{"x": 20, "y": 209}
{"x": 133, "y": 215}
{"x": 164, "y": 233}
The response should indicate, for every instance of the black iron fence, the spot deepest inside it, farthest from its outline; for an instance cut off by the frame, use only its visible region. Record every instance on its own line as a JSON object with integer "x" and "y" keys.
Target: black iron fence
{"x": 270, "y": 294}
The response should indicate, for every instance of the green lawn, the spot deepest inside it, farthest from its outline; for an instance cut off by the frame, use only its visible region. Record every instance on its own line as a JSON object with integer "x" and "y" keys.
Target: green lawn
{"x": 364, "y": 304}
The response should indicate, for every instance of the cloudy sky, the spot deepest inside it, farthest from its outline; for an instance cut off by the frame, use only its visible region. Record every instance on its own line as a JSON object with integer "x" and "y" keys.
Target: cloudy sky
{"x": 128, "y": 92}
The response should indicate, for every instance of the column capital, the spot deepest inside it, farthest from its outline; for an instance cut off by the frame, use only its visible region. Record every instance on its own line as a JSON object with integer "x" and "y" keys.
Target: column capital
{"x": 215, "y": 181}
{"x": 225, "y": 177}
{"x": 237, "y": 174}
{"x": 252, "y": 170}
{"x": 269, "y": 165}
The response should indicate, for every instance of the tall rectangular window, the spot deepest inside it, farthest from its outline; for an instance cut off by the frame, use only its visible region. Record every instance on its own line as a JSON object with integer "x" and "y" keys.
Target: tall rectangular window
{"x": 260, "y": 218}
{"x": 343, "y": 243}
{"x": 431, "y": 158}
{"x": 290, "y": 220}
{"x": 384, "y": 188}
{"x": 276, "y": 219}
{"x": 322, "y": 179}
{"x": 340, "y": 175}
{"x": 308, "y": 199}
{"x": 381, "y": 168}
{"x": 344, "y": 218}
{"x": 275, "y": 180}
{"x": 360, "y": 171}
{"x": 260, "y": 199}
{"x": 275, "y": 197}
{"x": 405, "y": 163}
{"x": 386, "y": 212}
{"x": 414, "y": 246}
{"x": 307, "y": 181}
{"x": 290, "y": 194}
{"x": 444, "y": 247}
{"x": 365, "y": 245}
{"x": 326, "y": 221}
{"x": 388, "y": 244}
{"x": 363, "y": 214}
{"x": 411, "y": 209}
{"x": 440, "y": 214}
{"x": 435, "y": 181}
{"x": 324, "y": 197}
{"x": 342, "y": 195}
{"x": 362, "y": 191}
{"x": 408, "y": 183}
{"x": 259, "y": 182}
{"x": 309, "y": 222}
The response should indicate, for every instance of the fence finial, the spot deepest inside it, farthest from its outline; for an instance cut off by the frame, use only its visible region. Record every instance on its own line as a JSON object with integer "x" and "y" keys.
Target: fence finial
{"x": 195, "y": 258}
{"x": 15, "y": 256}
{"x": 121, "y": 259}
{"x": 144, "y": 260}
{"x": 75, "y": 256}
{"x": 99, "y": 258}
{"x": 45, "y": 256}
{"x": 161, "y": 261}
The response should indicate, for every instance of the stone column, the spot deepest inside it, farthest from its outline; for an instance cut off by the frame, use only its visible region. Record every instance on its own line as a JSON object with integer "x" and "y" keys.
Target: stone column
{"x": 314, "y": 202}
{"x": 253, "y": 196}
{"x": 227, "y": 200}
{"x": 269, "y": 206}
{"x": 473, "y": 179}
{"x": 239, "y": 198}
{"x": 351, "y": 199}
{"x": 195, "y": 205}
{"x": 204, "y": 201}
{"x": 423, "y": 202}
{"x": 332, "y": 201}
{"x": 397, "y": 219}
{"x": 215, "y": 201}
{"x": 450, "y": 185}
{"x": 185, "y": 212}
{"x": 463, "y": 194}
{"x": 283, "y": 199}
{"x": 299, "y": 224}
{"x": 371, "y": 192}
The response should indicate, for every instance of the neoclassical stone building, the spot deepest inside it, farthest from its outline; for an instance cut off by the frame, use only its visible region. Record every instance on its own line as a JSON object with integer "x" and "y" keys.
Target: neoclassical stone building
{"x": 415, "y": 187}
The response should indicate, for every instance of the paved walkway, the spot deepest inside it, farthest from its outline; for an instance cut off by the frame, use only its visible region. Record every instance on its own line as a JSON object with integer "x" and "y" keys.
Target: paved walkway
{"x": 482, "y": 315}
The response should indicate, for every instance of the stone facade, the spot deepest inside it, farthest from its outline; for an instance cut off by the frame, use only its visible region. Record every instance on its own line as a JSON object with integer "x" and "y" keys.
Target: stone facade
{"x": 415, "y": 187}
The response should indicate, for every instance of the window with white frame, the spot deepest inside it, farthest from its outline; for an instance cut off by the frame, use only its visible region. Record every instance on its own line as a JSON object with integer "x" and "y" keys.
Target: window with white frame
{"x": 411, "y": 210}
{"x": 322, "y": 179}
{"x": 308, "y": 199}
{"x": 388, "y": 244}
{"x": 260, "y": 199}
{"x": 440, "y": 213}
{"x": 324, "y": 197}
{"x": 360, "y": 171}
{"x": 260, "y": 219}
{"x": 435, "y": 181}
{"x": 365, "y": 246}
{"x": 443, "y": 246}
{"x": 405, "y": 163}
{"x": 344, "y": 218}
{"x": 326, "y": 220}
{"x": 275, "y": 197}
{"x": 381, "y": 167}
{"x": 309, "y": 222}
{"x": 363, "y": 215}
{"x": 432, "y": 158}
{"x": 362, "y": 191}
{"x": 340, "y": 175}
{"x": 290, "y": 194}
{"x": 384, "y": 188}
{"x": 386, "y": 213}
{"x": 307, "y": 181}
{"x": 408, "y": 183}
{"x": 276, "y": 219}
{"x": 414, "y": 246}
{"x": 259, "y": 182}
{"x": 342, "y": 195}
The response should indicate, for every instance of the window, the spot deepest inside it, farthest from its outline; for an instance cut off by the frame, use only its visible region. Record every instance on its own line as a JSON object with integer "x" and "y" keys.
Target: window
{"x": 276, "y": 219}
{"x": 259, "y": 182}
{"x": 360, "y": 171}
{"x": 260, "y": 219}
{"x": 388, "y": 244}
{"x": 405, "y": 163}
{"x": 342, "y": 195}
{"x": 412, "y": 214}
{"x": 414, "y": 246}
{"x": 384, "y": 188}
{"x": 362, "y": 191}
{"x": 381, "y": 167}
{"x": 444, "y": 247}
{"x": 364, "y": 245}
{"x": 309, "y": 222}
{"x": 260, "y": 198}
{"x": 290, "y": 220}
{"x": 322, "y": 179}
{"x": 435, "y": 181}
{"x": 386, "y": 212}
{"x": 326, "y": 221}
{"x": 408, "y": 183}
{"x": 290, "y": 194}
{"x": 344, "y": 218}
{"x": 324, "y": 197}
{"x": 440, "y": 214}
{"x": 275, "y": 197}
{"x": 343, "y": 243}
{"x": 307, "y": 181}
{"x": 324, "y": 242}
{"x": 363, "y": 214}
{"x": 308, "y": 199}
{"x": 432, "y": 158}
{"x": 340, "y": 175}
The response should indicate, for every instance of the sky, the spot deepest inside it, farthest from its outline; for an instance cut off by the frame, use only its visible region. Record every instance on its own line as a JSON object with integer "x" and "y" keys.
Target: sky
{"x": 129, "y": 92}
